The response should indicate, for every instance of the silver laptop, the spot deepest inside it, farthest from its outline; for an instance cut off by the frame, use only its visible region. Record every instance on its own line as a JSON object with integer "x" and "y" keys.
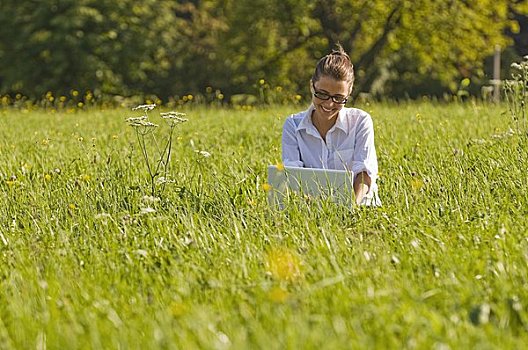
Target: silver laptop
{"x": 335, "y": 185}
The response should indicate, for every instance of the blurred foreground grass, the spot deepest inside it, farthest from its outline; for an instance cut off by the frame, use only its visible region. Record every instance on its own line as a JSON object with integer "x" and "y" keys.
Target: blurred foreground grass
{"x": 88, "y": 261}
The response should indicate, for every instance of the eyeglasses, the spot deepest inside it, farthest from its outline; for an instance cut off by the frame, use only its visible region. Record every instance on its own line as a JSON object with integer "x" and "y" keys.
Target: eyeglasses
{"x": 341, "y": 100}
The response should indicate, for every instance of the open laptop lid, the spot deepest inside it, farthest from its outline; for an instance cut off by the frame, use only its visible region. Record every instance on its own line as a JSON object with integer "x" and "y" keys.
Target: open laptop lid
{"x": 336, "y": 185}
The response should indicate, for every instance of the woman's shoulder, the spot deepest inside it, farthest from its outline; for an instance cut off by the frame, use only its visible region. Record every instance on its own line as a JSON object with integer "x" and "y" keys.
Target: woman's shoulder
{"x": 356, "y": 115}
{"x": 356, "y": 112}
{"x": 296, "y": 118}
{"x": 299, "y": 115}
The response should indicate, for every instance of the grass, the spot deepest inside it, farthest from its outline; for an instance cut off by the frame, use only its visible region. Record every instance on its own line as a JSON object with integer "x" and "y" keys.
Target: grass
{"x": 442, "y": 264}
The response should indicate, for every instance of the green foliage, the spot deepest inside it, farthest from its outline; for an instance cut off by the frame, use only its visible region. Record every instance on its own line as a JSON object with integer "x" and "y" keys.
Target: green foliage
{"x": 173, "y": 48}
{"x": 115, "y": 47}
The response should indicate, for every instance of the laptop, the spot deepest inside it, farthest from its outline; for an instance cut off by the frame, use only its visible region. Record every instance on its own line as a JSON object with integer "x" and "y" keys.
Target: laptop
{"x": 335, "y": 185}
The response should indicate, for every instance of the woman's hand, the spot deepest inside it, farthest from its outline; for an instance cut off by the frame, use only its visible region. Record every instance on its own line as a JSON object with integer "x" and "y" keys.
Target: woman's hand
{"x": 361, "y": 186}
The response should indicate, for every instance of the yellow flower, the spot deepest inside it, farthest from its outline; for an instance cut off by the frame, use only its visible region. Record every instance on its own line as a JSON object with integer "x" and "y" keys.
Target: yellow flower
{"x": 298, "y": 97}
{"x": 178, "y": 309}
{"x": 278, "y": 295}
{"x": 417, "y": 184}
{"x": 72, "y": 206}
{"x": 80, "y": 104}
{"x": 280, "y": 167}
{"x": 47, "y": 177}
{"x": 262, "y": 81}
{"x": 266, "y": 187}
{"x": 283, "y": 265}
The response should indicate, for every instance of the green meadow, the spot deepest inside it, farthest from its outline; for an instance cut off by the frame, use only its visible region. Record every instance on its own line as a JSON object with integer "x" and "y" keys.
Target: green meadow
{"x": 89, "y": 259}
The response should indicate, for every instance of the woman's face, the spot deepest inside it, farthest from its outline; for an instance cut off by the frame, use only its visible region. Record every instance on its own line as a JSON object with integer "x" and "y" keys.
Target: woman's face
{"x": 329, "y": 96}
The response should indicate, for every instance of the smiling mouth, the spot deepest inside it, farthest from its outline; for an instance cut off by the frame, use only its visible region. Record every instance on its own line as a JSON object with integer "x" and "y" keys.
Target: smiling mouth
{"x": 327, "y": 109}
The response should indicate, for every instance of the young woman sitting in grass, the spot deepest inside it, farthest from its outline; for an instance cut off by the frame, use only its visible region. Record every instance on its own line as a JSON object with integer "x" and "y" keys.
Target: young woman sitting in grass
{"x": 330, "y": 136}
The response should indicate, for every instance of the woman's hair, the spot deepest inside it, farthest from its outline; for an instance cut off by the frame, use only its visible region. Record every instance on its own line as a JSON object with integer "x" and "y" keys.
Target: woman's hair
{"x": 336, "y": 65}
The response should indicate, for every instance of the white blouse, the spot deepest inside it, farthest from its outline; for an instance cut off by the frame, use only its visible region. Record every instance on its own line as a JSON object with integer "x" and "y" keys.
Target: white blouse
{"x": 349, "y": 145}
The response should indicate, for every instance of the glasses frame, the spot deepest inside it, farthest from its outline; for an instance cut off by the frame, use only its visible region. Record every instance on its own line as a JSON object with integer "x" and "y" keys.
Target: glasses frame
{"x": 325, "y": 97}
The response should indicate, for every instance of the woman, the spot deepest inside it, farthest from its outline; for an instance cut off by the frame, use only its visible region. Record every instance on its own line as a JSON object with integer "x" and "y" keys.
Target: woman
{"x": 331, "y": 136}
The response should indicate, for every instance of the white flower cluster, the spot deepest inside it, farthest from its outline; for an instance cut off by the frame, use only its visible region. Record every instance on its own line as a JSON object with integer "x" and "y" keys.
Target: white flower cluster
{"x": 144, "y": 107}
{"x": 174, "y": 118}
{"x": 140, "y": 121}
{"x": 521, "y": 66}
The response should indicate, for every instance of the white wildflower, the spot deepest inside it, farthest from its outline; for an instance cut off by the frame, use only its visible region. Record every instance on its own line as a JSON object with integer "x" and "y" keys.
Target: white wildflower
{"x": 147, "y": 210}
{"x": 144, "y": 107}
{"x": 223, "y": 338}
{"x": 102, "y": 216}
{"x": 174, "y": 118}
{"x": 141, "y": 252}
{"x": 479, "y": 141}
{"x": 508, "y": 133}
{"x": 143, "y": 124}
{"x": 204, "y": 154}
{"x": 136, "y": 119}
{"x": 150, "y": 199}
{"x": 178, "y": 116}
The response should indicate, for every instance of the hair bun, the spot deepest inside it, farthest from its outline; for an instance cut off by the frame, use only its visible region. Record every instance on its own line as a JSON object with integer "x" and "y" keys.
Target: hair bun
{"x": 337, "y": 65}
{"x": 339, "y": 51}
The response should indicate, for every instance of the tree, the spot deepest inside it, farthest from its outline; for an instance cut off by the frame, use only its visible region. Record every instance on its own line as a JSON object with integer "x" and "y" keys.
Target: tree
{"x": 442, "y": 39}
{"x": 519, "y": 11}
{"x": 180, "y": 47}
{"x": 438, "y": 40}
{"x": 115, "y": 47}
